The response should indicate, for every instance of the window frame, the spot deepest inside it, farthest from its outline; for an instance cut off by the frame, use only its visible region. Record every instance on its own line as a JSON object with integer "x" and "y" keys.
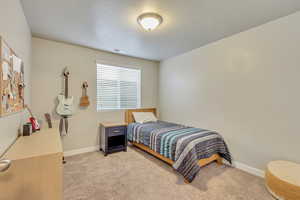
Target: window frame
{"x": 139, "y": 91}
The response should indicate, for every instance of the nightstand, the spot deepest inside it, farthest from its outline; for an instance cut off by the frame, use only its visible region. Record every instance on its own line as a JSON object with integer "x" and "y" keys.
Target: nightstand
{"x": 113, "y": 137}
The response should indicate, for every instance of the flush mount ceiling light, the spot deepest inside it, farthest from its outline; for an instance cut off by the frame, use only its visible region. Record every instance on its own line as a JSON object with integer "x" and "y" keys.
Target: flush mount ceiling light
{"x": 149, "y": 21}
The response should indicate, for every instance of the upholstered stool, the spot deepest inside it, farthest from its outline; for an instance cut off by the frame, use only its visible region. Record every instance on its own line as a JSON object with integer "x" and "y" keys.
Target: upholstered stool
{"x": 283, "y": 180}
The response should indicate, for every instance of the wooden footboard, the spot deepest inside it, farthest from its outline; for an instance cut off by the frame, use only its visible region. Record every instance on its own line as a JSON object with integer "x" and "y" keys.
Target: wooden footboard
{"x": 202, "y": 162}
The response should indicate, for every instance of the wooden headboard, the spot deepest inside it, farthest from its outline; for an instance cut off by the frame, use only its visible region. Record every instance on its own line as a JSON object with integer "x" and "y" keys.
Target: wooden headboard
{"x": 129, "y": 116}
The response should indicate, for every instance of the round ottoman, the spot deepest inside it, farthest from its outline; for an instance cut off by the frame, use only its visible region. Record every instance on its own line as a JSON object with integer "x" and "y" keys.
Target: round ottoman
{"x": 283, "y": 180}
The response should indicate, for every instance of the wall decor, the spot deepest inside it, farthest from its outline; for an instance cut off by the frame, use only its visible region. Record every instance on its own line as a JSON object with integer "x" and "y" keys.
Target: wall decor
{"x": 11, "y": 80}
{"x": 84, "y": 100}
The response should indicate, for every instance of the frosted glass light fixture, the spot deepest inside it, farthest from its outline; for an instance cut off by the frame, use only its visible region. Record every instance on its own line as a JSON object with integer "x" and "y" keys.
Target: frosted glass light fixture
{"x": 149, "y": 21}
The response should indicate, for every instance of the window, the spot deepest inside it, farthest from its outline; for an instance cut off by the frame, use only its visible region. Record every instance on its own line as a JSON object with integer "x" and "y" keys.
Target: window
{"x": 118, "y": 87}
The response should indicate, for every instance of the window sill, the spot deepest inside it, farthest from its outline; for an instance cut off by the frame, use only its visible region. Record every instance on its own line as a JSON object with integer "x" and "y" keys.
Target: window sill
{"x": 116, "y": 110}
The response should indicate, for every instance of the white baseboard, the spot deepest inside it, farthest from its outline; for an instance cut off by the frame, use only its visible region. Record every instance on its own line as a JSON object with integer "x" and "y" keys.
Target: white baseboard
{"x": 80, "y": 151}
{"x": 236, "y": 164}
{"x": 249, "y": 169}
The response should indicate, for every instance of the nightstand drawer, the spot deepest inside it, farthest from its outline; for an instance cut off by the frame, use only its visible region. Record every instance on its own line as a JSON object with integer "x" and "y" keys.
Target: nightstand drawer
{"x": 115, "y": 131}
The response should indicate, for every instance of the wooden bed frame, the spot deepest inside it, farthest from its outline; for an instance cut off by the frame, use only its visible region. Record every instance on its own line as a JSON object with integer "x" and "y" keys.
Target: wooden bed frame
{"x": 130, "y": 119}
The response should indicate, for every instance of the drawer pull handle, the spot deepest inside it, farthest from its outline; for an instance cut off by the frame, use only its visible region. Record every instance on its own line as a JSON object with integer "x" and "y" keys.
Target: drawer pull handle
{"x": 4, "y": 165}
{"x": 116, "y": 131}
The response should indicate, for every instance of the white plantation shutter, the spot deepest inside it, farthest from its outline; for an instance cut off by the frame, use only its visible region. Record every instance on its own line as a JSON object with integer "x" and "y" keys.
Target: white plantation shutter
{"x": 118, "y": 87}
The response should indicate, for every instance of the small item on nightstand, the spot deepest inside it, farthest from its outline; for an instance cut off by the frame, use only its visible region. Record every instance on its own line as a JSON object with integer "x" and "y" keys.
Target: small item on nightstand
{"x": 84, "y": 100}
{"x": 27, "y": 129}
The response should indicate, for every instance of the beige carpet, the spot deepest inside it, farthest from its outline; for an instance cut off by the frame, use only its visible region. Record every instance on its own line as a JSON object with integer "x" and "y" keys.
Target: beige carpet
{"x": 135, "y": 175}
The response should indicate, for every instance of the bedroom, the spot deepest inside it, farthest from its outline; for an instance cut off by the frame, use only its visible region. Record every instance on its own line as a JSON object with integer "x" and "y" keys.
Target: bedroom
{"x": 227, "y": 67}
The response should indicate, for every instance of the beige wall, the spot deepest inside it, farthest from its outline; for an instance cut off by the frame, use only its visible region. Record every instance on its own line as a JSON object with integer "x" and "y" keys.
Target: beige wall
{"x": 15, "y": 31}
{"x": 247, "y": 87}
{"x": 49, "y": 59}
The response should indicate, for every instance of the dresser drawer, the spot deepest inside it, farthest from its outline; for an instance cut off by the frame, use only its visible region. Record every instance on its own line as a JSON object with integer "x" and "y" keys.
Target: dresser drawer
{"x": 115, "y": 131}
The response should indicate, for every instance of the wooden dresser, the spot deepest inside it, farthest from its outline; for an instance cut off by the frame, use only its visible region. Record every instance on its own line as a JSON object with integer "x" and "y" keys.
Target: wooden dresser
{"x": 36, "y": 172}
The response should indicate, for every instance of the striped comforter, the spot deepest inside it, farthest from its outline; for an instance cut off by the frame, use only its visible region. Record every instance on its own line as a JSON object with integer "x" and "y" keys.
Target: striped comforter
{"x": 184, "y": 145}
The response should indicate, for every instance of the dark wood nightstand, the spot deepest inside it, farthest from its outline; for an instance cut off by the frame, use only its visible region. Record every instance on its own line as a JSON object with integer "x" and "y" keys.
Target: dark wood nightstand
{"x": 113, "y": 137}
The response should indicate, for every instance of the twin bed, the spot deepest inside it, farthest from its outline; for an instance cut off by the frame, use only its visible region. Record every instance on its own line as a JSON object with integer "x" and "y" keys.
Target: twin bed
{"x": 186, "y": 149}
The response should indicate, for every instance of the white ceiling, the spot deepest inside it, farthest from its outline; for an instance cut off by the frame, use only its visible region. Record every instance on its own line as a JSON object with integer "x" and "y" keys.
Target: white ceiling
{"x": 111, "y": 24}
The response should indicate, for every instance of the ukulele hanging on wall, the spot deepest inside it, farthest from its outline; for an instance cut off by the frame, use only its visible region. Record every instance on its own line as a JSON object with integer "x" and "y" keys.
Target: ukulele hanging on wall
{"x": 84, "y": 100}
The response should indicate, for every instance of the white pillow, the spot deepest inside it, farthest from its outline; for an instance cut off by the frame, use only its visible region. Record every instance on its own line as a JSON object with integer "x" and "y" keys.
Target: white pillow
{"x": 143, "y": 117}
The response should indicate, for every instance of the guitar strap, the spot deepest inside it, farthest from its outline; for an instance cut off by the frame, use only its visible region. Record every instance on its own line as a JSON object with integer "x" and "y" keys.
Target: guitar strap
{"x": 63, "y": 123}
{"x": 66, "y": 125}
{"x": 63, "y": 120}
